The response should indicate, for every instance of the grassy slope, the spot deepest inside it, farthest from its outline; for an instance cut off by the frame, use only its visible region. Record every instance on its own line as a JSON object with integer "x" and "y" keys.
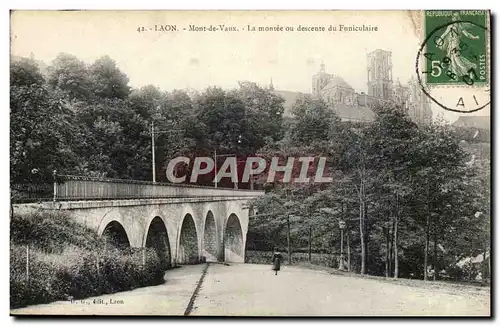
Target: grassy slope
{"x": 68, "y": 260}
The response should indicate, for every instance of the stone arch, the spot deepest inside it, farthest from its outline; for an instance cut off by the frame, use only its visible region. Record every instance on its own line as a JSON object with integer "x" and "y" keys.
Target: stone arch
{"x": 210, "y": 237}
{"x": 233, "y": 240}
{"x": 115, "y": 234}
{"x": 157, "y": 238}
{"x": 187, "y": 246}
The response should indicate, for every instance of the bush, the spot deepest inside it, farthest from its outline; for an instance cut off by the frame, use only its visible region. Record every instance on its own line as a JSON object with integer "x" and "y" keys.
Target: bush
{"x": 71, "y": 267}
{"x": 52, "y": 231}
{"x": 44, "y": 283}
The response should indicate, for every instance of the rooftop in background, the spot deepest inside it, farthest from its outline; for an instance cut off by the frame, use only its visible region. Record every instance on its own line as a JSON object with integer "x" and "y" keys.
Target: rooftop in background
{"x": 337, "y": 81}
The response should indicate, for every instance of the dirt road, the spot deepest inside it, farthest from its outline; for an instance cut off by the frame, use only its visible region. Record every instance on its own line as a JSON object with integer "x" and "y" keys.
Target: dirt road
{"x": 254, "y": 290}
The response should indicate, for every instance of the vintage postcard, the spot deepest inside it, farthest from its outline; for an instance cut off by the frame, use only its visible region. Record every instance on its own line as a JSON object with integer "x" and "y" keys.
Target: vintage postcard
{"x": 250, "y": 163}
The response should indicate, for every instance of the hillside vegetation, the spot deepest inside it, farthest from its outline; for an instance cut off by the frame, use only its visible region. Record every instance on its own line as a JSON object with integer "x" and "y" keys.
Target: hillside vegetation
{"x": 69, "y": 261}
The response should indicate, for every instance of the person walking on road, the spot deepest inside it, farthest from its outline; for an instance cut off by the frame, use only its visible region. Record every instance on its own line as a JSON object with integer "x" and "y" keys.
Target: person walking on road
{"x": 277, "y": 257}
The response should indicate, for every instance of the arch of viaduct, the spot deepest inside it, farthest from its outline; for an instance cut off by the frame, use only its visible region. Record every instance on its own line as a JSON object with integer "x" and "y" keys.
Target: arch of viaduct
{"x": 184, "y": 231}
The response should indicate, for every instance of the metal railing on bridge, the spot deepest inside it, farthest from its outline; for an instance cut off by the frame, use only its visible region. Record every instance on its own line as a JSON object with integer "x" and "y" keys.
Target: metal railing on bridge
{"x": 69, "y": 187}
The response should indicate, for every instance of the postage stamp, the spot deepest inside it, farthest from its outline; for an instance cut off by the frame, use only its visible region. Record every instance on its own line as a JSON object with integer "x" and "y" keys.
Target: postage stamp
{"x": 456, "y": 47}
{"x": 453, "y": 61}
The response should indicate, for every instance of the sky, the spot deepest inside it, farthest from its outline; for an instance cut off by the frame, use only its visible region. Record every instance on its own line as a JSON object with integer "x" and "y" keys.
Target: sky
{"x": 196, "y": 59}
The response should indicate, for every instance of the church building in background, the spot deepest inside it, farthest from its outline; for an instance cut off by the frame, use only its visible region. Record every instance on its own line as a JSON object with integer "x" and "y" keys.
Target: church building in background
{"x": 353, "y": 106}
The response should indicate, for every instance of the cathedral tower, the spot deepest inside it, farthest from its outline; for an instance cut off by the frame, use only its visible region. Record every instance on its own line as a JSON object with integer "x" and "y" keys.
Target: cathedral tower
{"x": 320, "y": 80}
{"x": 379, "y": 72}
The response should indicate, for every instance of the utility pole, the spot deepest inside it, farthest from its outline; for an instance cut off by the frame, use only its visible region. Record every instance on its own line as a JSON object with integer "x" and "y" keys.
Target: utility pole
{"x": 236, "y": 172}
{"x": 342, "y": 227}
{"x": 396, "y": 257}
{"x": 288, "y": 239}
{"x": 153, "y": 149}
{"x": 236, "y": 165}
{"x": 215, "y": 169}
{"x": 54, "y": 176}
{"x": 342, "y": 249}
{"x": 348, "y": 253}
{"x": 310, "y": 242}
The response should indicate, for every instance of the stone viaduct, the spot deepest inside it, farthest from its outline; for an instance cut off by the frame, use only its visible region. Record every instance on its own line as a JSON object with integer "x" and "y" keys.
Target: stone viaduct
{"x": 186, "y": 225}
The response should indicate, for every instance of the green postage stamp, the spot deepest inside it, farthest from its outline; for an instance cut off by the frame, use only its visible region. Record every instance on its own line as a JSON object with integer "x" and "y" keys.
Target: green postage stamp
{"x": 456, "y": 47}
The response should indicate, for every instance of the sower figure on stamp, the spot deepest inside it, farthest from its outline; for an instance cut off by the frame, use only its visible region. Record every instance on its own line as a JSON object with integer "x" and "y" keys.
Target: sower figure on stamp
{"x": 277, "y": 257}
{"x": 452, "y": 44}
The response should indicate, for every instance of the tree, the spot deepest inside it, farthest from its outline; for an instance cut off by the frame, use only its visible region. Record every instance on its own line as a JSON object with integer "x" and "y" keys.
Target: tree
{"x": 107, "y": 80}
{"x": 263, "y": 114}
{"x": 413, "y": 195}
{"x": 70, "y": 75}
{"x": 391, "y": 137}
{"x": 359, "y": 173}
{"x": 25, "y": 72}
{"x": 114, "y": 140}
{"x": 271, "y": 219}
{"x": 313, "y": 121}
{"x": 178, "y": 128}
{"x": 223, "y": 118}
{"x": 147, "y": 101}
{"x": 439, "y": 164}
{"x": 221, "y": 125}
{"x": 41, "y": 128}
